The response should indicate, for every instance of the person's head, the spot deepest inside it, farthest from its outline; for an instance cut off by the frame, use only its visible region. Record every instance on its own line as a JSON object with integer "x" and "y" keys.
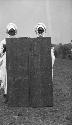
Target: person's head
{"x": 40, "y": 29}
{"x": 11, "y": 30}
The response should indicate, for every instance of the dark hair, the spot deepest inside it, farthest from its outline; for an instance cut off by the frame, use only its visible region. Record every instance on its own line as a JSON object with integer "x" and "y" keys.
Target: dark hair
{"x": 11, "y": 32}
{"x": 40, "y": 30}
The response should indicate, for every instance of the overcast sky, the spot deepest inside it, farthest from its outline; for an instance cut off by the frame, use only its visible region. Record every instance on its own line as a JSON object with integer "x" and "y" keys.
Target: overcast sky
{"x": 56, "y": 14}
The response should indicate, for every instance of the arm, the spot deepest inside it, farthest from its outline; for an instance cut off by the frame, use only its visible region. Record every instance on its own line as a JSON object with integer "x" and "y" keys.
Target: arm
{"x": 1, "y": 50}
{"x": 52, "y": 56}
{"x": 2, "y": 47}
{"x": 2, "y": 55}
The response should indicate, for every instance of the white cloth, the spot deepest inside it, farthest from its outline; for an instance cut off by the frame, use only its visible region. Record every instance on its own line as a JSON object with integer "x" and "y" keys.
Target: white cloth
{"x": 3, "y": 72}
{"x": 53, "y": 59}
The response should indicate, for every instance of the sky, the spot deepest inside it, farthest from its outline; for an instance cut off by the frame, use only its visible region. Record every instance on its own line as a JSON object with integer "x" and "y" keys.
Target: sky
{"x": 55, "y": 14}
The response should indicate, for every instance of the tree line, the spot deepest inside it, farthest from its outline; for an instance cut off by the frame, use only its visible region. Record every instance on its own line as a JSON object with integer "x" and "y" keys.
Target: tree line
{"x": 63, "y": 51}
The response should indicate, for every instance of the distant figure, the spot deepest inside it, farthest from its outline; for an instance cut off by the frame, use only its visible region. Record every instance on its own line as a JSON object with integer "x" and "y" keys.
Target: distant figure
{"x": 40, "y": 30}
{"x": 11, "y": 31}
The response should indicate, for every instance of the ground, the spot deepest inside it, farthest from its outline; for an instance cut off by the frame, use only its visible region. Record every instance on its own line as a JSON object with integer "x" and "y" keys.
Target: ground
{"x": 59, "y": 114}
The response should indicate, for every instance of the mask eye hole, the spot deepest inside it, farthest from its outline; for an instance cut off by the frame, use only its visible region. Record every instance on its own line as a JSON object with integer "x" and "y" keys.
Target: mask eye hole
{"x": 11, "y": 32}
{"x": 40, "y": 30}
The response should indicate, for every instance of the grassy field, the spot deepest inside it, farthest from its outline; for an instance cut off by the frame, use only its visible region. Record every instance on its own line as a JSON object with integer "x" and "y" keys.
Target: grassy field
{"x": 59, "y": 114}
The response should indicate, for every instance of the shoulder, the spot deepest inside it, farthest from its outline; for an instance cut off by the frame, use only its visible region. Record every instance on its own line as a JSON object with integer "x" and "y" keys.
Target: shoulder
{"x": 3, "y": 41}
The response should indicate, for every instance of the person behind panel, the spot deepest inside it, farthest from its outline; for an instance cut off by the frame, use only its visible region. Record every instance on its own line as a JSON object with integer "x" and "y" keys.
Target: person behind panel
{"x": 40, "y": 30}
{"x": 11, "y": 31}
{"x": 53, "y": 59}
